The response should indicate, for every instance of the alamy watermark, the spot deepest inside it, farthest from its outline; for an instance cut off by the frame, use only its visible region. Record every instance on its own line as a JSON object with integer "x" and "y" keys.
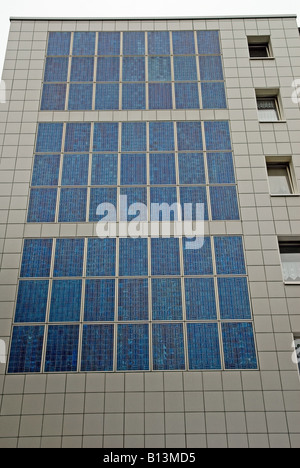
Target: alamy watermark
{"x": 296, "y": 92}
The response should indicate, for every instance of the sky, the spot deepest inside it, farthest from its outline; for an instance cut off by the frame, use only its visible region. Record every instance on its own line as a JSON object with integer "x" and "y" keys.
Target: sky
{"x": 137, "y": 8}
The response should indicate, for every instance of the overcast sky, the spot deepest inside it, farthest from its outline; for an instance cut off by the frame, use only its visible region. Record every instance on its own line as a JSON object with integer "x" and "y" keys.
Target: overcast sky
{"x": 131, "y": 8}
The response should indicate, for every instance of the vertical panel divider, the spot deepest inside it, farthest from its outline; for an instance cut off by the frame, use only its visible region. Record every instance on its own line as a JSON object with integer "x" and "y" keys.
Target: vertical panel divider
{"x": 95, "y": 71}
{"x": 69, "y": 71}
{"x": 172, "y": 71}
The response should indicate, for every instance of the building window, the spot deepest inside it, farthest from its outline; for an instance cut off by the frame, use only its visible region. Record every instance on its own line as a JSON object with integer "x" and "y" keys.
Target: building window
{"x": 259, "y": 47}
{"x": 290, "y": 260}
{"x": 297, "y": 351}
{"x": 280, "y": 178}
{"x": 268, "y": 108}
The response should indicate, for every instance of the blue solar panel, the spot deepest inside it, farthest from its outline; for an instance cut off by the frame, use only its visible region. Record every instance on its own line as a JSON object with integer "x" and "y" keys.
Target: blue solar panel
{"x": 108, "y": 69}
{"x": 49, "y": 138}
{"x": 183, "y": 42}
{"x": 189, "y": 136}
{"x": 62, "y": 348}
{"x": 162, "y": 169}
{"x": 82, "y": 69}
{"x": 26, "y": 349}
{"x": 104, "y": 169}
{"x": 234, "y": 298}
{"x": 239, "y": 346}
{"x": 165, "y": 256}
{"x": 32, "y": 301}
{"x": 101, "y": 257}
{"x": 97, "y": 348}
{"x": 109, "y": 43}
{"x": 200, "y": 299}
{"x": 100, "y": 196}
{"x": 56, "y": 69}
{"x": 99, "y": 304}
{"x": 220, "y": 168}
{"x": 133, "y": 96}
{"x": 161, "y": 136}
{"x": 134, "y": 43}
{"x": 185, "y": 68}
{"x": 211, "y": 68}
{"x": 208, "y": 42}
{"x": 80, "y": 96}
{"x": 65, "y": 301}
{"x": 133, "y": 169}
{"x": 213, "y": 96}
{"x": 84, "y": 43}
{"x": 224, "y": 204}
{"x": 42, "y": 205}
{"x": 72, "y": 205}
{"x": 45, "y": 170}
{"x": 159, "y": 68}
{"x": 68, "y": 257}
{"x": 59, "y": 43}
{"x": 168, "y": 346}
{"x": 133, "y": 347}
{"x": 198, "y": 262}
{"x": 230, "y": 255}
{"x": 217, "y": 136}
{"x": 135, "y": 196}
{"x": 133, "y": 299}
{"x": 134, "y": 136}
{"x": 107, "y": 96}
{"x": 133, "y": 69}
{"x": 36, "y": 258}
{"x": 187, "y": 96}
{"x": 158, "y": 43}
{"x": 203, "y": 346}
{"x": 133, "y": 257}
{"x": 165, "y": 196}
{"x": 166, "y": 299}
{"x": 75, "y": 169}
{"x": 194, "y": 196}
{"x": 106, "y": 136}
{"x": 160, "y": 96}
{"x": 77, "y": 137}
{"x": 54, "y": 96}
{"x": 191, "y": 168}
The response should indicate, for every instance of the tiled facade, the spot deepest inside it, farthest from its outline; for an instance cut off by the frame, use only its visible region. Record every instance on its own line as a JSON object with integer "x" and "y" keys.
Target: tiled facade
{"x": 200, "y": 378}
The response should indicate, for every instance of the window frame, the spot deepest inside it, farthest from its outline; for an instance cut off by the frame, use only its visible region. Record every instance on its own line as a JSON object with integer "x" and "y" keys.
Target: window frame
{"x": 296, "y": 338}
{"x": 263, "y": 41}
{"x": 274, "y": 98}
{"x": 287, "y": 242}
{"x": 286, "y": 162}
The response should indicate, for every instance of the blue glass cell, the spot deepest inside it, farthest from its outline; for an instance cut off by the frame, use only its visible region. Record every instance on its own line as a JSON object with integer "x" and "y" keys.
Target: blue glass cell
{"x": 187, "y": 96}
{"x": 224, "y": 204}
{"x": 26, "y": 349}
{"x": 220, "y": 168}
{"x": 101, "y": 257}
{"x": 160, "y": 96}
{"x": 168, "y": 346}
{"x": 36, "y": 258}
{"x": 162, "y": 169}
{"x": 77, "y": 137}
{"x": 82, "y": 69}
{"x": 217, "y": 136}
{"x": 68, "y": 257}
{"x": 75, "y": 169}
{"x": 54, "y": 96}
{"x": 56, "y": 69}
{"x": 108, "y": 69}
{"x": 239, "y": 346}
{"x": 234, "y": 298}
{"x": 198, "y": 262}
{"x": 133, "y": 96}
{"x": 158, "y": 43}
{"x": 99, "y": 303}
{"x": 32, "y": 301}
{"x": 165, "y": 256}
{"x": 166, "y": 299}
{"x": 159, "y": 69}
{"x": 133, "y": 43}
{"x": 101, "y": 196}
{"x": 185, "y": 68}
{"x": 133, "y": 69}
{"x": 135, "y": 205}
{"x": 45, "y": 170}
{"x": 59, "y": 43}
{"x": 189, "y": 136}
{"x": 80, "y": 96}
{"x": 133, "y": 169}
{"x": 208, "y": 42}
{"x": 164, "y": 204}
{"x": 42, "y": 205}
{"x": 107, "y": 96}
{"x": 191, "y": 168}
{"x": 109, "y": 43}
{"x": 191, "y": 198}
{"x": 230, "y": 255}
{"x": 161, "y": 136}
{"x": 84, "y": 43}
{"x": 134, "y": 136}
{"x": 62, "y": 348}
{"x": 203, "y": 346}
{"x": 72, "y": 205}
{"x": 97, "y": 348}
{"x": 133, "y": 347}
{"x": 133, "y": 299}
{"x": 211, "y": 68}
{"x": 65, "y": 301}
{"x": 133, "y": 257}
{"x": 104, "y": 169}
{"x": 183, "y": 42}
{"x": 200, "y": 299}
{"x": 213, "y": 96}
{"x": 105, "y": 136}
{"x": 49, "y": 138}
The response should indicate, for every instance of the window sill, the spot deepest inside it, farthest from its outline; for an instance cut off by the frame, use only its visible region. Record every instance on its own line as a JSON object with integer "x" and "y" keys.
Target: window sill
{"x": 272, "y": 121}
{"x": 292, "y": 283}
{"x": 290, "y": 195}
{"x": 262, "y": 58}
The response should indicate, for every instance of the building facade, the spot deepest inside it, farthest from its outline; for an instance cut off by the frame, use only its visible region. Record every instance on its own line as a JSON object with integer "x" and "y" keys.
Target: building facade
{"x": 150, "y": 341}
